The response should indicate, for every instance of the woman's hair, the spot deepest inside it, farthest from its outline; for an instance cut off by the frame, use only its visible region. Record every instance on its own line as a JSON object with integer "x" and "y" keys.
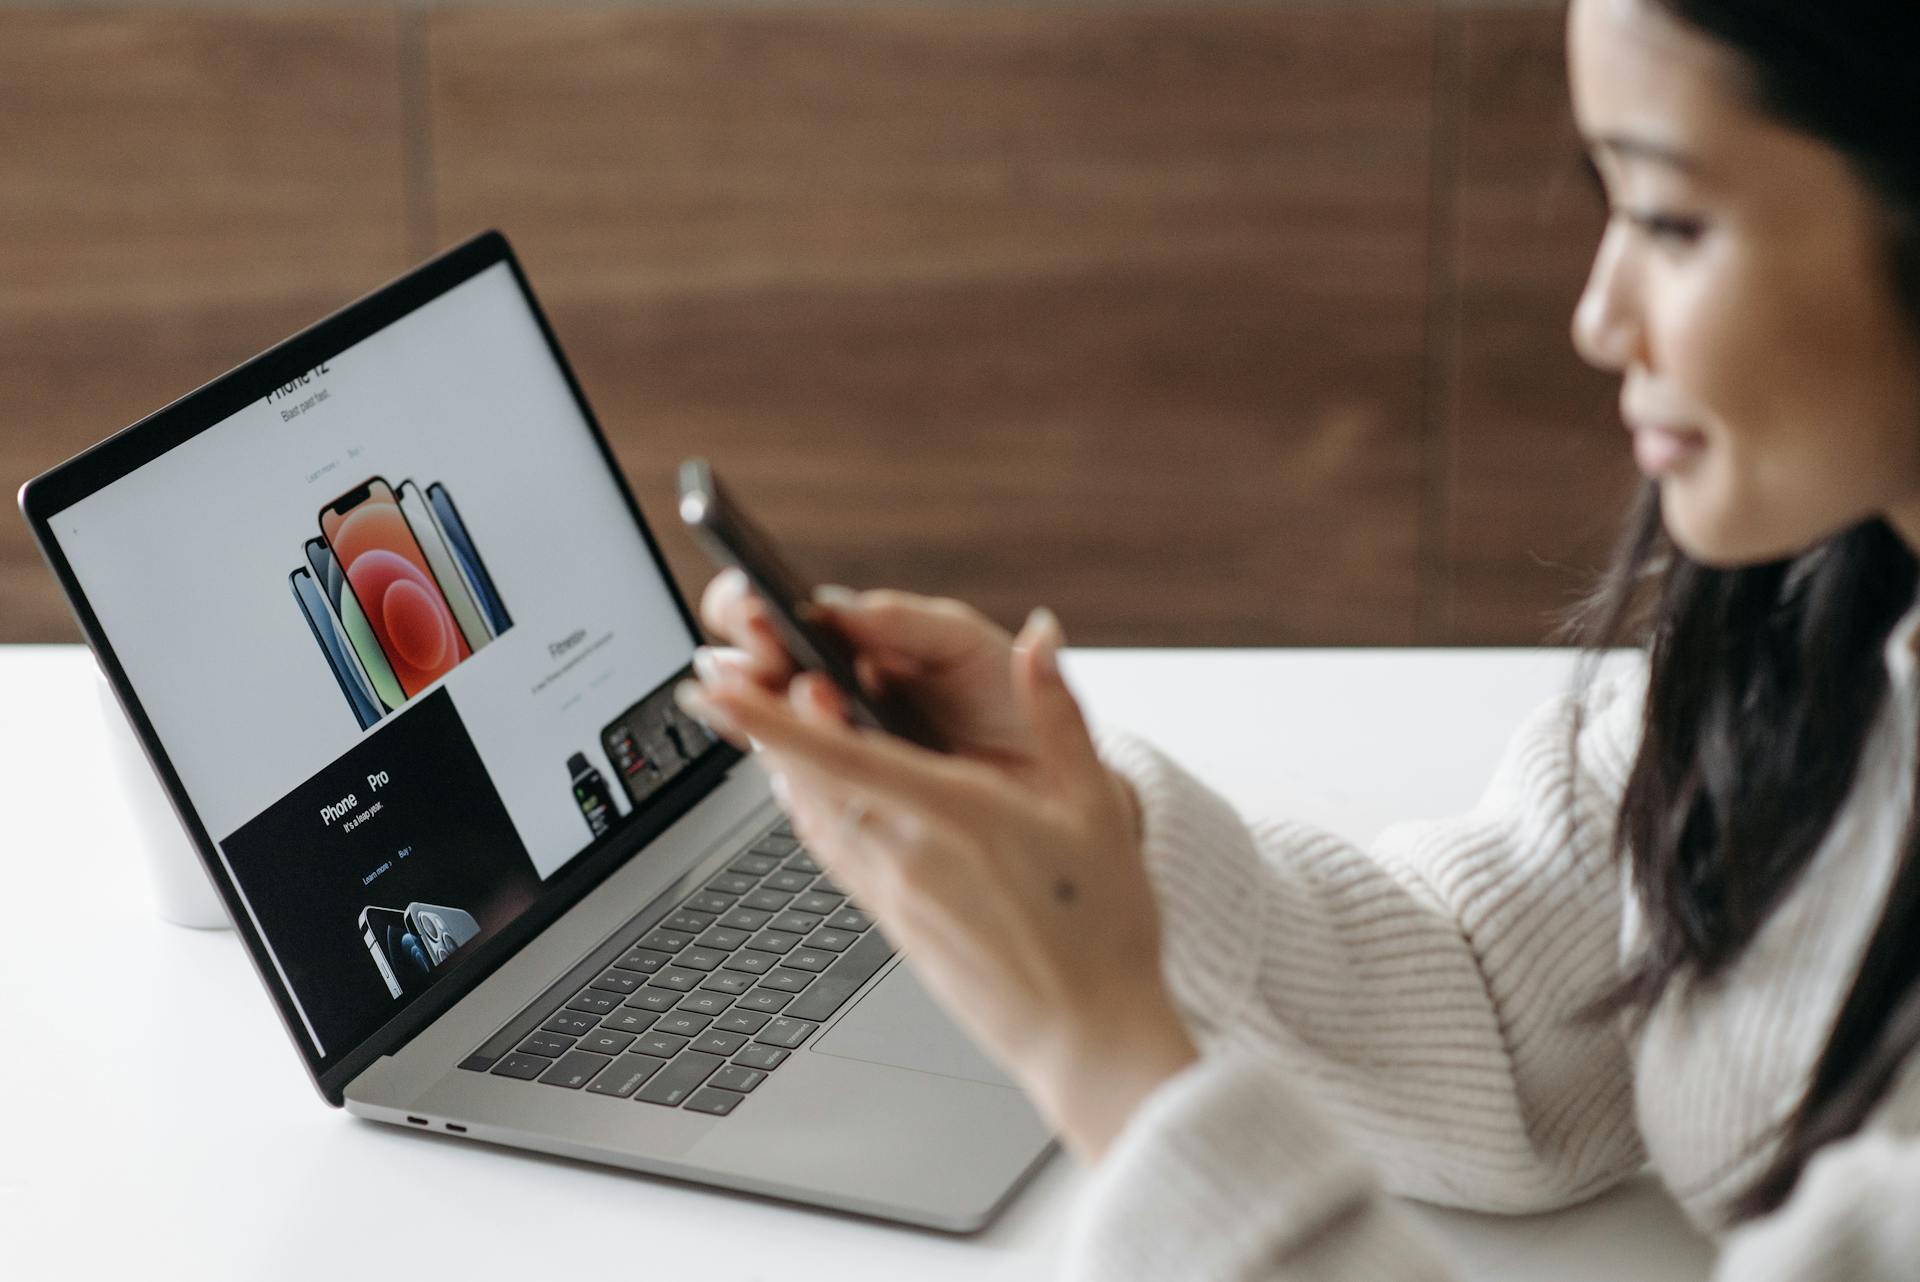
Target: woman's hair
{"x": 1765, "y": 681}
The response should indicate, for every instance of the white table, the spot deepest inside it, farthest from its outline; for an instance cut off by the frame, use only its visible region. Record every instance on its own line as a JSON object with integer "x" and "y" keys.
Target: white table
{"x": 157, "y": 1124}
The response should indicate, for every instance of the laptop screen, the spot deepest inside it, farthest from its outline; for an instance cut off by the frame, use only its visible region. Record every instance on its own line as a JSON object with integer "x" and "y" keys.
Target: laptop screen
{"x": 396, "y": 629}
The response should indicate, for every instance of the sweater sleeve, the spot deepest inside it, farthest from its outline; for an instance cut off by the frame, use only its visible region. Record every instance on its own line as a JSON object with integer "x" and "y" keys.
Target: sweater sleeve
{"x": 1396, "y": 1018}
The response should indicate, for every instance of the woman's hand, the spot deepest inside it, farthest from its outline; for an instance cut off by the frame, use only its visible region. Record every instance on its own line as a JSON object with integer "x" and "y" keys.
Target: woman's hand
{"x": 1019, "y": 894}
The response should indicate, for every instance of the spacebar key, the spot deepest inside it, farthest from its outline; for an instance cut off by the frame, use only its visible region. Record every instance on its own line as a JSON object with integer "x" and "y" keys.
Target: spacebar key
{"x": 840, "y": 980}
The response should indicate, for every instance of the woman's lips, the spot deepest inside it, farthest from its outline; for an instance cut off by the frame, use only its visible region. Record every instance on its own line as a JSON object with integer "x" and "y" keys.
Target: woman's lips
{"x": 1659, "y": 449}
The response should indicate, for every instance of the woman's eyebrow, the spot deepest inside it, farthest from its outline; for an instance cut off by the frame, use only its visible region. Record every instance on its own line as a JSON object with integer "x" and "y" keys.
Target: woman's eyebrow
{"x": 1627, "y": 146}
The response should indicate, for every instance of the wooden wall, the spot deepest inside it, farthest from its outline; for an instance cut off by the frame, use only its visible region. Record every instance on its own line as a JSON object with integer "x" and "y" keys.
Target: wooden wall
{"x": 1205, "y": 325}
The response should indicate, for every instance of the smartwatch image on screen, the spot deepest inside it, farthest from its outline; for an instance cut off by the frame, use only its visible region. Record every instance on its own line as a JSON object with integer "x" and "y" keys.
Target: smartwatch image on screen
{"x": 591, "y": 793}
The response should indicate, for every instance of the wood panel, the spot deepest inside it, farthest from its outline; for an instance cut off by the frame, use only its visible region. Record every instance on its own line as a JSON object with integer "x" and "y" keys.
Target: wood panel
{"x": 1122, "y": 312}
{"x": 1539, "y": 470}
{"x": 181, "y": 189}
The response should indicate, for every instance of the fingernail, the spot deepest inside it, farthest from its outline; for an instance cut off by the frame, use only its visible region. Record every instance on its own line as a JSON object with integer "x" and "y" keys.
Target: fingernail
{"x": 733, "y": 577}
{"x": 687, "y": 694}
{"x": 706, "y": 664}
{"x": 833, "y": 594}
{"x": 1047, "y": 642}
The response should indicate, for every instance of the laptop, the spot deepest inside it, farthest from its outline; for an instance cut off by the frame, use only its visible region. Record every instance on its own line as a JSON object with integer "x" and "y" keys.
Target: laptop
{"x": 401, "y": 648}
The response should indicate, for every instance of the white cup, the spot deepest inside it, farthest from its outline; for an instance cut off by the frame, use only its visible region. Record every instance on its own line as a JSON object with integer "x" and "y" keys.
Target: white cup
{"x": 181, "y": 889}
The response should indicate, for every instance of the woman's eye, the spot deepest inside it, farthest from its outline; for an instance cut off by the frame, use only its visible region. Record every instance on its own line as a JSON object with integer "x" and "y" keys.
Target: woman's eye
{"x": 1672, "y": 228}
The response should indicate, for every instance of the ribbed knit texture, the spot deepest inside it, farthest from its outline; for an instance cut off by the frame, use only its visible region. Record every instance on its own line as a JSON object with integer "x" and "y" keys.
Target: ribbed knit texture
{"x": 1399, "y": 1019}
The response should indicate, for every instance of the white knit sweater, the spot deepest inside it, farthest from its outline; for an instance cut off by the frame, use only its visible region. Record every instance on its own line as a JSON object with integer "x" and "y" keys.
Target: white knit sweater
{"x": 1396, "y": 1019}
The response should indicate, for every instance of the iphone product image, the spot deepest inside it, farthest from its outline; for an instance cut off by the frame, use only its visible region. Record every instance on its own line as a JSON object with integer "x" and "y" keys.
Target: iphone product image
{"x": 732, "y": 538}
{"x": 440, "y": 930}
{"x": 387, "y": 571}
{"x": 467, "y": 557}
{"x": 353, "y": 624}
{"x": 397, "y": 952}
{"x": 339, "y": 655}
{"x": 591, "y": 794}
{"x": 426, "y": 532}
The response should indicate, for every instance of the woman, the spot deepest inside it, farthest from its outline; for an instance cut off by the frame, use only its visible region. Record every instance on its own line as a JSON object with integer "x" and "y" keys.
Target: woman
{"x": 1684, "y": 923}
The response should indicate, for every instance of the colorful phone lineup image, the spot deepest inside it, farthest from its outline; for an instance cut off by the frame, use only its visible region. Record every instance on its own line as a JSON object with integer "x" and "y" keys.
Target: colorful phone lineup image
{"x": 651, "y": 742}
{"x": 334, "y": 646}
{"x": 387, "y": 572}
{"x": 591, "y": 794}
{"x": 467, "y": 558}
{"x": 426, "y": 532}
{"x": 440, "y": 930}
{"x": 354, "y": 627}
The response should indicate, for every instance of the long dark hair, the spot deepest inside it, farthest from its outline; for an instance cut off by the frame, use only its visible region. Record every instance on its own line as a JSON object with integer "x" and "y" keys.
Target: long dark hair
{"x": 1765, "y": 681}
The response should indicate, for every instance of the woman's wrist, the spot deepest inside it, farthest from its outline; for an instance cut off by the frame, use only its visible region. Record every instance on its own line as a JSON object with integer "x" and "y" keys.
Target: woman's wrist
{"x": 1102, "y": 1076}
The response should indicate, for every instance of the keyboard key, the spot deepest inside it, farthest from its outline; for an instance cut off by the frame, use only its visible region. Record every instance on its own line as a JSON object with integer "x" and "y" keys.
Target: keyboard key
{"x": 751, "y": 962}
{"x": 849, "y": 919}
{"x": 619, "y": 981}
{"x": 629, "y": 1021}
{"x": 856, "y": 966}
{"x": 829, "y": 885}
{"x": 690, "y": 922}
{"x": 801, "y": 861}
{"x": 789, "y": 880}
{"x": 783, "y": 827}
{"x": 816, "y": 901}
{"x": 706, "y": 1003}
{"x": 774, "y": 941}
{"x": 572, "y": 1023}
{"x": 741, "y": 1021}
{"x": 731, "y": 883}
{"x": 771, "y": 901}
{"x": 815, "y": 959}
{"x": 666, "y": 941}
{"x": 524, "y": 1067}
{"x": 606, "y": 1042}
{"x": 574, "y": 1069}
{"x": 550, "y": 1045}
{"x": 655, "y": 999}
{"x": 745, "y": 919}
{"x": 763, "y": 1000}
{"x": 594, "y": 1002}
{"x": 834, "y": 940}
{"x": 680, "y": 1077}
{"x": 699, "y": 958}
{"x": 644, "y": 960}
{"x": 624, "y": 1075}
{"x": 786, "y": 980}
{"x": 723, "y": 939}
{"x": 718, "y": 1042}
{"x": 737, "y": 1077}
{"x": 726, "y": 981}
{"x": 764, "y": 1058}
{"x": 665, "y": 1045}
{"x": 710, "y": 902}
{"x": 683, "y": 1023}
{"x": 754, "y": 865}
{"x": 675, "y": 977}
{"x": 775, "y": 844}
{"x": 781, "y": 1031}
{"x": 794, "y": 923}
{"x": 709, "y": 1100}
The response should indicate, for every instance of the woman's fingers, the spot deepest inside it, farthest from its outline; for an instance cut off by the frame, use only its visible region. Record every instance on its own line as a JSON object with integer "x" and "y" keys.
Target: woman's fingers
{"x": 1067, "y": 753}
{"x": 902, "y": 629}
{"x": 730, "y": 610}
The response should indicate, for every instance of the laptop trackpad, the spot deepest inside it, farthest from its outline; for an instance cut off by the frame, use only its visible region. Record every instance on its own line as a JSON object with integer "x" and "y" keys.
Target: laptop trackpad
{"x": 899, "y": 1023}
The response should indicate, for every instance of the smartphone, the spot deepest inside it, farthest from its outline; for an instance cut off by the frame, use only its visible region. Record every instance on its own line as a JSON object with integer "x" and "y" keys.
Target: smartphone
{"x": 467, "y": 557}
{"x": 426, "y": 532}
{"x": 387, "y": 571}
{"x": 397, "y": 952}
{"x": 346, "y": 668}
{"x": 439, "y": 929}
{"x": 591, "y": 794}
{"x": 353, "y": 624}
{"x": 732, "y": 538}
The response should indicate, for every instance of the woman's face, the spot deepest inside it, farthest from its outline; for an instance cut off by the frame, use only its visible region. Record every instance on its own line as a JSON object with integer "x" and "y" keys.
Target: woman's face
{"x": 1742, "y": 291}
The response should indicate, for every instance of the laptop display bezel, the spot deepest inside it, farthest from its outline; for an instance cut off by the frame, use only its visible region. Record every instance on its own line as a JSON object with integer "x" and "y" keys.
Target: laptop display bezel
{"x": 46, "y": 496}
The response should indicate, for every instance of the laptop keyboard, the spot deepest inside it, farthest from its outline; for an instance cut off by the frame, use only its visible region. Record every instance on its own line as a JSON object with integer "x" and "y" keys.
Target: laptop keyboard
{"x": 702, "y": 1005}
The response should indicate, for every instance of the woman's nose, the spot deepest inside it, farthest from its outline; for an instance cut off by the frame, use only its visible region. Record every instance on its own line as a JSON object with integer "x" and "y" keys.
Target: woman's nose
{"x": 1606, "y": 322}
